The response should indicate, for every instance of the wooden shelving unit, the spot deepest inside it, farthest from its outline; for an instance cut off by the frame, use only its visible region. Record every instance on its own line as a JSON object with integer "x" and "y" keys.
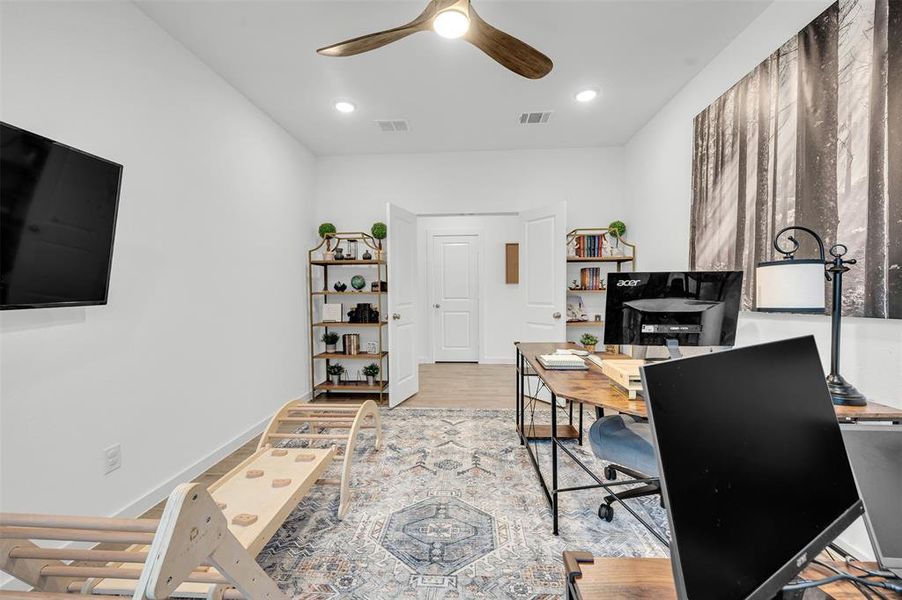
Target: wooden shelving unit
{"x": 627, "y": 262}
{"x": 318, "y": 297}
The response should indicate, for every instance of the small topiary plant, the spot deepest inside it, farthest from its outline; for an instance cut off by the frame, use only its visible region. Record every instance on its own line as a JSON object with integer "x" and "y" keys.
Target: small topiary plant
{"x": 618, "y": 228}
{"x": 371, "y": 370}
{"x": 379, "y": 231}
{"x": 330, "y": 338}
{"x": 588, "y": 339}
{"x": 326, "y": 229}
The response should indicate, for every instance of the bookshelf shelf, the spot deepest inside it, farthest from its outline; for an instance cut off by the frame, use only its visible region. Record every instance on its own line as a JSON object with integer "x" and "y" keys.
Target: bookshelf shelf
{"x": 590, "y": 271}
{"x": 319, "y": 262}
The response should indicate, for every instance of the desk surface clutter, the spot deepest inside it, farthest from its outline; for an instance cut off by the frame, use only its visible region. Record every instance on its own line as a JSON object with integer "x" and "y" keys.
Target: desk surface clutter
{"x": 594, "y": 387}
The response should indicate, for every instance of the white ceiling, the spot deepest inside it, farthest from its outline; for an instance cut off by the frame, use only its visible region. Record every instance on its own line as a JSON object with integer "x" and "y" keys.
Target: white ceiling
{"x": 637, "y": 52}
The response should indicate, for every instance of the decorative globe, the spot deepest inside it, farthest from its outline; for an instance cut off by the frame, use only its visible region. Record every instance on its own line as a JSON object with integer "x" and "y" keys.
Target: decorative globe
{"x": 358, "y": 282}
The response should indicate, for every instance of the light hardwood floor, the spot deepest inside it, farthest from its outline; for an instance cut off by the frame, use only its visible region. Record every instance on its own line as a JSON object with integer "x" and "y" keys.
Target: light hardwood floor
{"x": 444, "y": 385}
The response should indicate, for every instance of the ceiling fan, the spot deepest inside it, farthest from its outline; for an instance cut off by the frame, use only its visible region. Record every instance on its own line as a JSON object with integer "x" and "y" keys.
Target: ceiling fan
{"x": 455, "y": 19}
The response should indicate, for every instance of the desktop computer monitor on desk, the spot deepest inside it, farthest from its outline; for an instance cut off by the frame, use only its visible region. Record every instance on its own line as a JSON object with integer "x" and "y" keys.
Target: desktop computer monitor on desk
{"x": 672, "y": 309}
{"x": 752, "y": 465}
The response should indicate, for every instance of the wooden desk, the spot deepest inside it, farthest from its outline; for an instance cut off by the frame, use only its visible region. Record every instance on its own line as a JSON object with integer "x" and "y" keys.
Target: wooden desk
{"x": 593, "y": 387}
{"x": 652, "y": 579}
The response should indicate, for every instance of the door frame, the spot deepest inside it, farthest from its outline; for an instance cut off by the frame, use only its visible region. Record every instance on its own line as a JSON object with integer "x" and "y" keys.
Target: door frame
{"x": 431, "y": 234}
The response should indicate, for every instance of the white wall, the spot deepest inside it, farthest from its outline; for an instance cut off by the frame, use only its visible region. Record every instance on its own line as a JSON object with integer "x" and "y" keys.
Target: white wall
{"x": 204, "y": 333}
{"x": 658, "y": 162}
{"x": 351, "y": 191}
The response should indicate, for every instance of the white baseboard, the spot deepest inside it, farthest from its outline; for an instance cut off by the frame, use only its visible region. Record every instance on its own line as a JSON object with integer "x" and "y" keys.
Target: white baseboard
{"x": 150, "y": 499}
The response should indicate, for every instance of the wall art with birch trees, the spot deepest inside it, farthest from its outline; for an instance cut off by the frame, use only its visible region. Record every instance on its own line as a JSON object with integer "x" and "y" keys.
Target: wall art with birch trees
{"x": 813, "y": 137}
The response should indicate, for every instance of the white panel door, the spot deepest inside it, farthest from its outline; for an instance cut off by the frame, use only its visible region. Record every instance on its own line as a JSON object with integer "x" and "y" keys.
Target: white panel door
{"x": 543, "y": 272}
{"x": 455, "y": 298}
{"x": 401, "y": 253}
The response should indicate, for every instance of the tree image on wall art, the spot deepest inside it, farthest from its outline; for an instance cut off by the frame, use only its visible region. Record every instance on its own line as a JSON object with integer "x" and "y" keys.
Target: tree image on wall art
{"x": 813, "y": 137}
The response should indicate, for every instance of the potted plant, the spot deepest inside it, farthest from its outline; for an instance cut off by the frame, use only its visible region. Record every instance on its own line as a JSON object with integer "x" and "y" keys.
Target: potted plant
{"x": 330, "y": 339}
{"x": 371, "y": 370}
{"x": 379, "y": 231}
{"x": 335, "y": 372}
{"x": 617, "y": 229}
{"x": 326, "y": 231}
{"x": 588, "y": 340}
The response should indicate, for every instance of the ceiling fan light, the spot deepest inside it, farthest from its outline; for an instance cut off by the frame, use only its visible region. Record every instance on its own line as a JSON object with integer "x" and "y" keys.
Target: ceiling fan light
{"x": 451, "y": 23}
{"x": 586, "y": 95}
{"x": 344, "y": 106}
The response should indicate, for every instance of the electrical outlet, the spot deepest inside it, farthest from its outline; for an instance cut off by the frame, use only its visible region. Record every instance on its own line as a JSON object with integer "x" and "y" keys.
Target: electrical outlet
{"x": 112, "y": 458}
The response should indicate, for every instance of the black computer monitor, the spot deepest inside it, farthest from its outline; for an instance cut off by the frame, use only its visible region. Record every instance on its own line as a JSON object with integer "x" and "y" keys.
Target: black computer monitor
{"x": 680, "y": 308}
{"x": 753, "y": 468}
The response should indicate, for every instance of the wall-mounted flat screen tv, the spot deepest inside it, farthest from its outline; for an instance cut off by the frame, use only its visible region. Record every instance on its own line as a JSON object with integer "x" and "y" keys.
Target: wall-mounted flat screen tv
{"x": 57, "y": 221}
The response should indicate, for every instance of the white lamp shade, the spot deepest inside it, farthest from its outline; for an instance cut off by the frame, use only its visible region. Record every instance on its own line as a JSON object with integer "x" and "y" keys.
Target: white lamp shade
{"x": 790, "y": 286}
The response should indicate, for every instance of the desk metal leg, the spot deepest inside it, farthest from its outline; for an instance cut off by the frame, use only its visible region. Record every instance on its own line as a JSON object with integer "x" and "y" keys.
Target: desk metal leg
{"x": 580, "y": 423}
{"x": 521, "y": 378}
{"x": 554, "y": 499}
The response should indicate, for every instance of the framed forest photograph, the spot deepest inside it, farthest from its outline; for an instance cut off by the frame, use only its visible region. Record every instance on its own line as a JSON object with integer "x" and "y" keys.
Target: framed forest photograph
{"x": 812, "y": 137}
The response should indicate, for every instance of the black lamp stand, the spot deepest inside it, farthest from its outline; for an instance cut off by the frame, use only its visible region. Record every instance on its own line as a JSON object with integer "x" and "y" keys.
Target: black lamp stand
{"x": 841, "y": 390}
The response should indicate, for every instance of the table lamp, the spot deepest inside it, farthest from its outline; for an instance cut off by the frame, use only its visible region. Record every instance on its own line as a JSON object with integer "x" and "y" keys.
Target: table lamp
{"x": 797, "y": 286}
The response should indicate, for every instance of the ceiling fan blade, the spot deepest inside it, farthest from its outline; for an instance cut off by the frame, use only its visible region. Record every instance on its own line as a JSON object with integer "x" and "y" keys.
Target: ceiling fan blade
{"x": 519, "y": 57}
{"x": 371, "y": 41}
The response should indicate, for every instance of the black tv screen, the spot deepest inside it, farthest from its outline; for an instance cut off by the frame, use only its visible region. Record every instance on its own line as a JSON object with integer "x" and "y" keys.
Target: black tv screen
{"x": 57, "y": 220}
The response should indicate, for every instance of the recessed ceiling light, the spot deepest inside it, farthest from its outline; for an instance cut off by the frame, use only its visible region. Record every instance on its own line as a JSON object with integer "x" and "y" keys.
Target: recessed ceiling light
{"x": 343, "y": 106}
{"x": 451, "y": 23}
{"x": 587, "y": 95}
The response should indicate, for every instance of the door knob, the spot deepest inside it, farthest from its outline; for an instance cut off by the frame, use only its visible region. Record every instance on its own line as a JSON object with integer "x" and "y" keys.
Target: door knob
{"x": 436, "y": 305}
{"x": 396, "y": 316}
{"x": 556, "y": 315}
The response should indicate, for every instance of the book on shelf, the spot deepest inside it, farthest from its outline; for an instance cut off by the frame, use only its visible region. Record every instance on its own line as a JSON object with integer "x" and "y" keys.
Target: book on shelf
{"x": 590, "y": 278}
{"x": 587, "y": 246}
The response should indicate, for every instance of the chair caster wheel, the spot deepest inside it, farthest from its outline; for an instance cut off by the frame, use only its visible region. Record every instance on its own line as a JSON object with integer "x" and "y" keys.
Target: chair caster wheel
{"x": 606, "y": 512}
{"x": 610, "y": 473}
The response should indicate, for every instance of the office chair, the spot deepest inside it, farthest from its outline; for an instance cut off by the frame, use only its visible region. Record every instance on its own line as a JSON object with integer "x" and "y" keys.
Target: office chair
{"x": 625, "y": 442}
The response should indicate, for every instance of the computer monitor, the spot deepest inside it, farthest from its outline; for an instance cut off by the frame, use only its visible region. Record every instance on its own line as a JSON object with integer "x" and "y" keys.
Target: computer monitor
{"x": 876, "y": 455}
{"x": 681, "y": 308}
{"x": 753, "y": 468}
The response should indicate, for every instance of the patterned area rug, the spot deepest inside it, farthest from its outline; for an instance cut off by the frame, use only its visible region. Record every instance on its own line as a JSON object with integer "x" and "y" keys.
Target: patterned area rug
{"x": 450, "y": 507}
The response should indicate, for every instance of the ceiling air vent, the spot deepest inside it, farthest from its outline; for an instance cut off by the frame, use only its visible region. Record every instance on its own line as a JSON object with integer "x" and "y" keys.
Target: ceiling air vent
{"x": 534, "y": 118}
{"x": 393, "y": 125}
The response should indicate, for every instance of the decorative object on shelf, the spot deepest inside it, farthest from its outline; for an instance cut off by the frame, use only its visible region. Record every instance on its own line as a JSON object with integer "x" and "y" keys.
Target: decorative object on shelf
{"x": 339, "y": 253}
{"x": 574, "y": 285}
{"x": 588, "y": 341}
{"x": 379, "y": 231}
{"x": 379, "y": 286}
{"x": 330, "y": 339}
{"x": 598, "y": 318}
{"x": 617, "y": 229}
{"x": 363, "y": 313}
{"x": 576, "y": 310}
{"x": 367, "y": 255}
{"x": 372, "y": 348}
{"x": 371, "y": 370}
{"x": 358, "y": 282}
{"x": 351, "y": 254}
{"x": 326, "y": 231}
{"x": 335, "y": 370}
{"x": 339, "y": 286}
{"x": 332, "y": 312}
{"x": 351, "y": 343}
{"x": 793, "y": 285}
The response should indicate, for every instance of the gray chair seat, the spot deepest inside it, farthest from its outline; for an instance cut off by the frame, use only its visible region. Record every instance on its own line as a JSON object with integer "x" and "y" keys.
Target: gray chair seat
{"x": 623, "y": 440}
